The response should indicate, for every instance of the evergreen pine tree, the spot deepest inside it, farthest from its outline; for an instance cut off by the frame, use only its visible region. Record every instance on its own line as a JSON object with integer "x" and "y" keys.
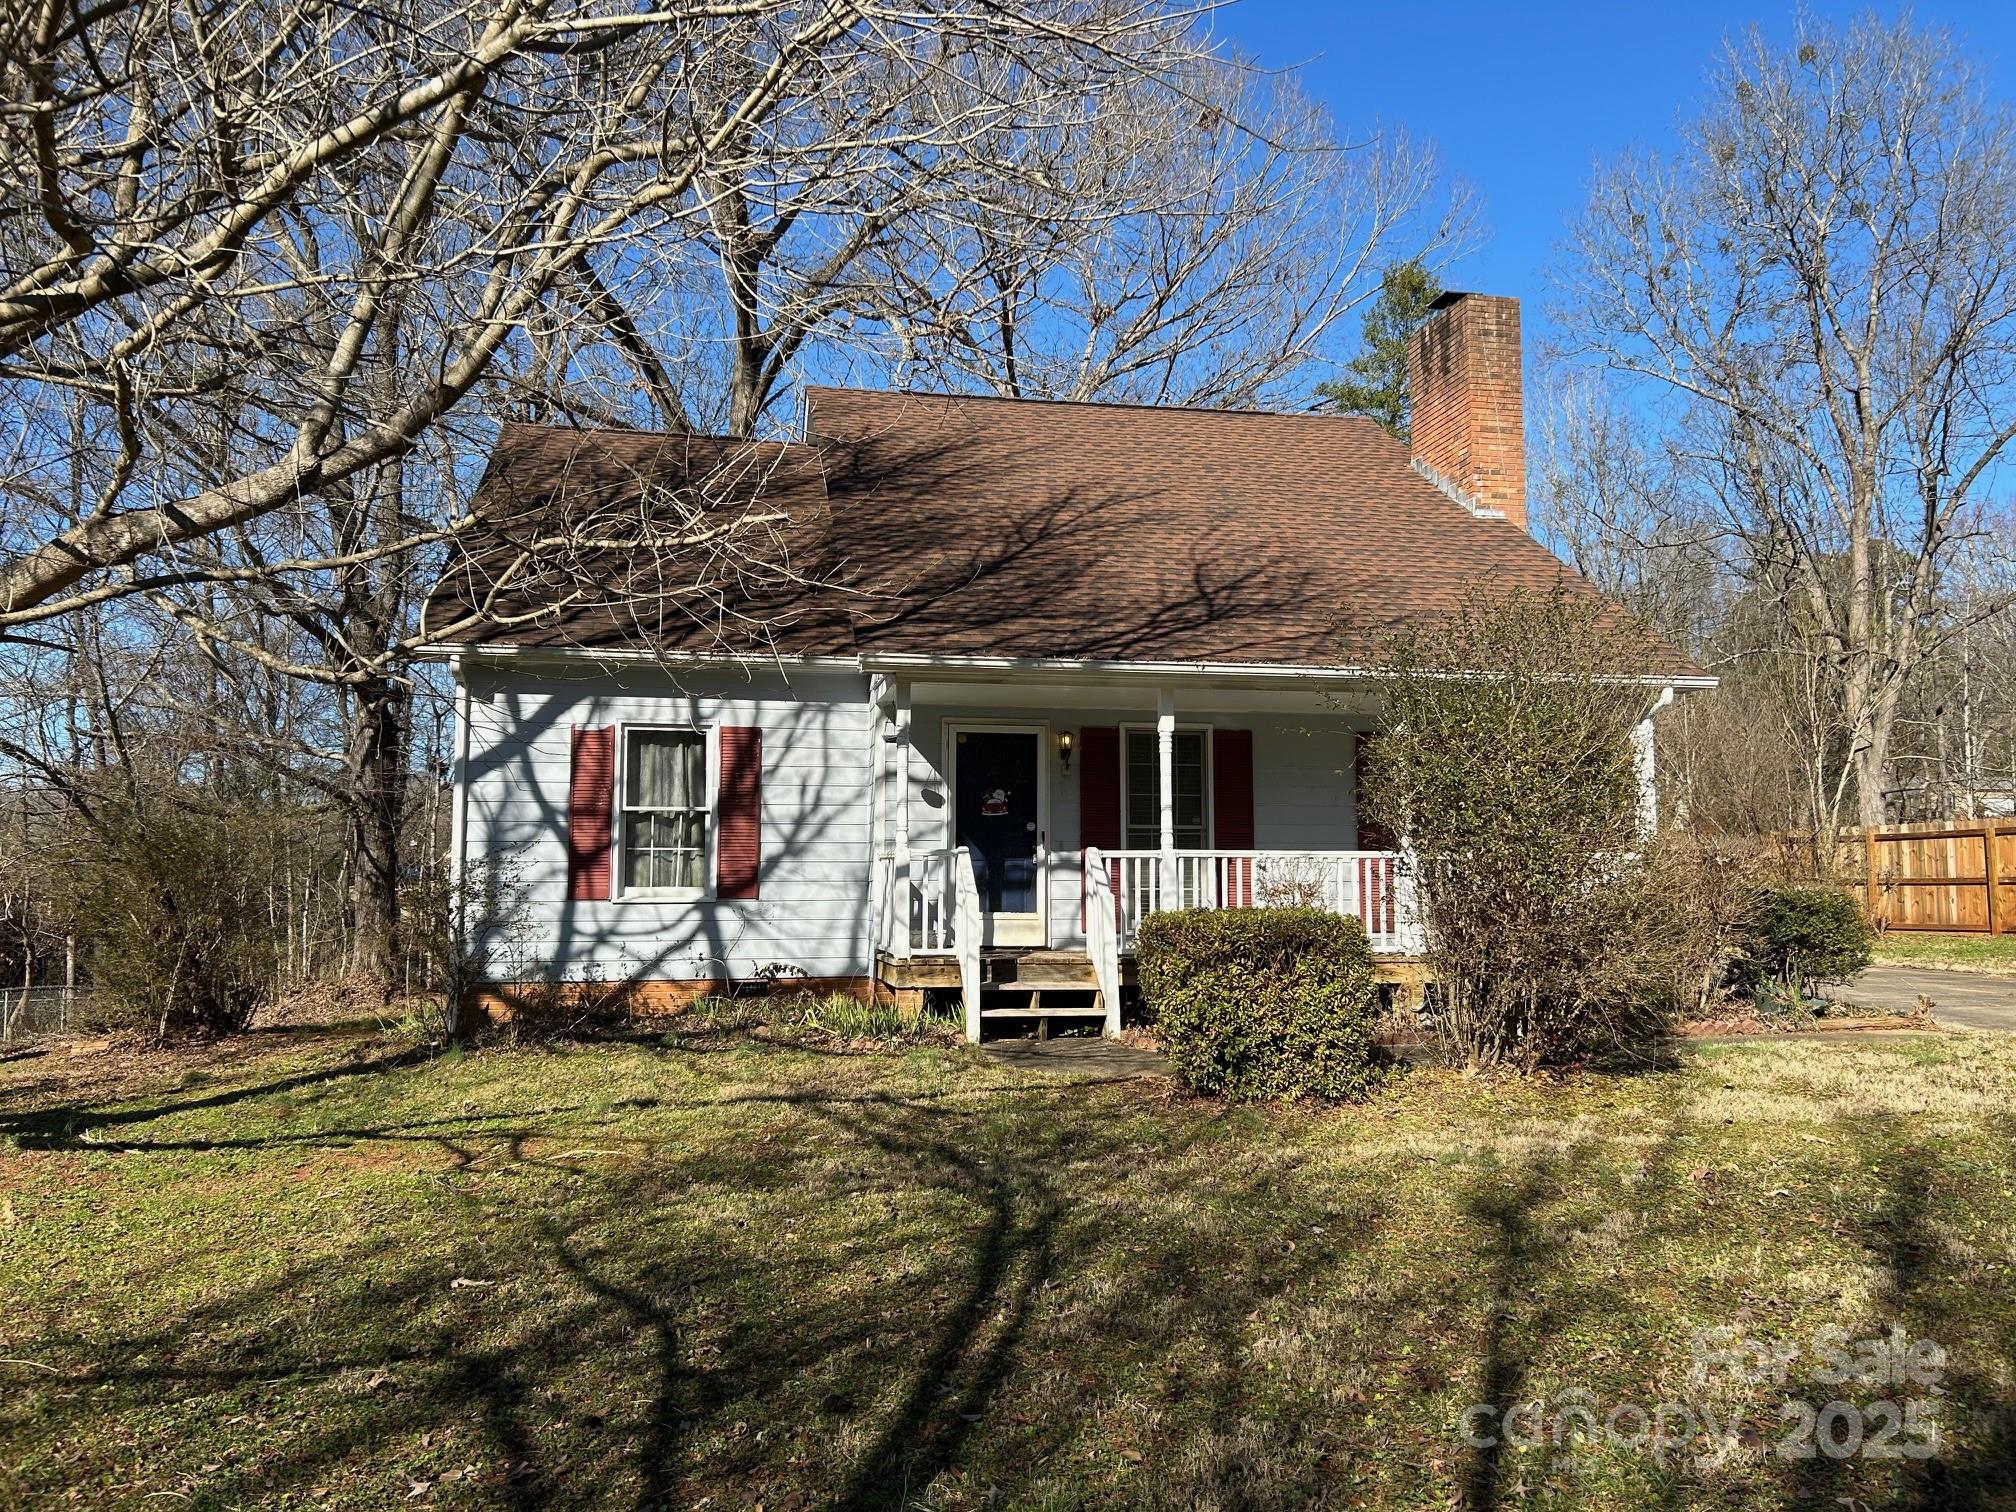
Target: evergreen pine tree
{"x": 1377, "y": 381}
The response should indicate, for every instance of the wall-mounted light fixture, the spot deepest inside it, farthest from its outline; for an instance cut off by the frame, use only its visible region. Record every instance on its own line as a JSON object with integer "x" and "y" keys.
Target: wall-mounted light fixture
{"x": 1064, "y": 750}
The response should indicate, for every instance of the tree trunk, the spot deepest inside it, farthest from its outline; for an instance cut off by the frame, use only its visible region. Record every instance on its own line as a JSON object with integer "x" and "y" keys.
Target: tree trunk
{"x": 377, "y": 761}
{"x": 1871, "y": 763}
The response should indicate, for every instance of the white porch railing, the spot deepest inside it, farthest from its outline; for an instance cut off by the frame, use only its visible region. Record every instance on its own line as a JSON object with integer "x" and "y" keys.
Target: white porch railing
{"x": 967, "y": 930}
{"x": 920, "y": 904}
{"x": 1102, "y": 934}
{"x": 930, "y": 906}
{"x": 1370, "y": 886}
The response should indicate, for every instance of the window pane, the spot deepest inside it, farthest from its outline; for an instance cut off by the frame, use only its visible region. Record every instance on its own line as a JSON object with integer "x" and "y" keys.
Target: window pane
{"x": 1143, "y": 807}
{"x": 637, "y": 834}
{"x": 688, "y": 832}
{"x": 666, "y": 769}
{"x": 1190, "y": 787}
{"x": 1144, "y": 788}
{"x": 665, "y": 850}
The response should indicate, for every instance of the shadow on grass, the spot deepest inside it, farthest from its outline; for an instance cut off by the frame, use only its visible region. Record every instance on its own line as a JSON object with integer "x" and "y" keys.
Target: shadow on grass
{"x": 1923, "y": 1293}
{"x": 1524, "y": 1219}
{"x": 71, "y": 1124}
{"x": 607, "y": 1343}
{"x": 864, "y": 1296}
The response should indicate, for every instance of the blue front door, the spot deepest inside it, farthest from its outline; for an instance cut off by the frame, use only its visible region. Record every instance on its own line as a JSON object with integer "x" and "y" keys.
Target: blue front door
{"x": 997, "y": 810}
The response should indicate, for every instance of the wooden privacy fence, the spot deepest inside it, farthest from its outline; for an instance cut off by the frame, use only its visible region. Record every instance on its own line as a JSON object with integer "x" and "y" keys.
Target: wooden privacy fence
{"x": 1953, "y": 876}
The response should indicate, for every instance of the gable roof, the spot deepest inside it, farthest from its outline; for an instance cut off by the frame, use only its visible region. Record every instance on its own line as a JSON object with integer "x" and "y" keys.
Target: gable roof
{"x": 958, "y": 525}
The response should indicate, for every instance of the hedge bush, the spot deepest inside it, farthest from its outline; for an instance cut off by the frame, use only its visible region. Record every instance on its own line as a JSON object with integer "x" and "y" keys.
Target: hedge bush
{"x": 1263, "y": 1003}
{"x": 1794, "y": 938}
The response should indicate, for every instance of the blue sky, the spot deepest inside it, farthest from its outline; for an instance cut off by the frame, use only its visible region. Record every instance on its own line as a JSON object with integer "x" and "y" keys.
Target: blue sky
{"x": 1521, "y": 98}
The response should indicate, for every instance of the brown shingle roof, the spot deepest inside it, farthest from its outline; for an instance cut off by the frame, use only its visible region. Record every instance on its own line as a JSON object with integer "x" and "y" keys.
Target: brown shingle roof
{"x": 993, "y": 527}
{"x": 610, "y": 537}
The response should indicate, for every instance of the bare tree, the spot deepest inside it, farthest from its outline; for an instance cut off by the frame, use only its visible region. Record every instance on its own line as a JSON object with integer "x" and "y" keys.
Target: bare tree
{"x": 1190, "y": 236}
{"x": 1823, "y": 280}
{"x": 268, "y": 282}
{"x": 269, "y": 278}
{"x": 1198, "y": 241}
{"x": 206, "y": 207}
{"x": 1625, "y": 513}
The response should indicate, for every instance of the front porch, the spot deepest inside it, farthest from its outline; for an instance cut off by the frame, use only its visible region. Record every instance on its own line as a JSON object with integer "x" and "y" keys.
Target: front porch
{"x": 1023, "y": 830}
{"x": 944, "y": 942}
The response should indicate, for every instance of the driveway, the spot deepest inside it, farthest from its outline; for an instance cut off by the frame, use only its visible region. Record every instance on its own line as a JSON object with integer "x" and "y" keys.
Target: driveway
{"x": 1966, "y": 998}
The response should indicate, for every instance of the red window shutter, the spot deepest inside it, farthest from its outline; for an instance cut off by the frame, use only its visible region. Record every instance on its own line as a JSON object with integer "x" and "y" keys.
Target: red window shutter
{"x": 738, "y": 816}
{"x": 1099, "y": 798}
{"x": 591, "y": 803}
{"x": 1371, "y": 836}
{"x": 1232, "y": 789}
{"x": 1232, "y": 809}
{"x": 1099, "y": 787}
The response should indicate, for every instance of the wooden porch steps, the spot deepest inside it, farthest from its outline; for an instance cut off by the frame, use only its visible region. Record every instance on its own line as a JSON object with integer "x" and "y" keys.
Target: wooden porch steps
{"x": 1037, "y": 968}
{"x": 1041, "y": 1004}
{"x": 998, "y": 968}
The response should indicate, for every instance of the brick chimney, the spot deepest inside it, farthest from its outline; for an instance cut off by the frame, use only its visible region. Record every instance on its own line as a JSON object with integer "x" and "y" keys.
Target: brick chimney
{"x": 1463, "y": 382}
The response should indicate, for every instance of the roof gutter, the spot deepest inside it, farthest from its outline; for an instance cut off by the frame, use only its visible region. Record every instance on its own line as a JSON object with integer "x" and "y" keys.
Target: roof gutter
{"x": 956, "y": 667}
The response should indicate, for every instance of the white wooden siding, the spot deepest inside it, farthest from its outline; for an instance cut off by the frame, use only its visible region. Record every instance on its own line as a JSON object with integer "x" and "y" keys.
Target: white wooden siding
{"x": 813, "y": 912}
{"x": 1304, "y": 794}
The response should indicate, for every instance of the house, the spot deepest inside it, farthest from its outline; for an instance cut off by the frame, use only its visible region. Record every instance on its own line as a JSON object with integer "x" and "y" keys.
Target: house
{"x": 954, "y": 691}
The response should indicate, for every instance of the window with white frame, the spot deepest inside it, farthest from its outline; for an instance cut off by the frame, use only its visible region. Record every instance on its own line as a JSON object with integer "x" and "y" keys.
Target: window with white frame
{"x": 1144, "y": 791}
{"x": 664, "y": 811}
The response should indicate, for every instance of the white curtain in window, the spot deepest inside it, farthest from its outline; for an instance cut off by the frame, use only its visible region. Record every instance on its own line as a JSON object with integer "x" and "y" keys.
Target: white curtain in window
{"x": 667, "y": 770}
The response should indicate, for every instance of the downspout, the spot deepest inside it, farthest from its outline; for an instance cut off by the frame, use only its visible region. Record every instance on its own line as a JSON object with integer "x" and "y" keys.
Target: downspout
{"x": 877, "y": 819}
{"x": 1645, "y": 741}
{"x": 458, "y": 845}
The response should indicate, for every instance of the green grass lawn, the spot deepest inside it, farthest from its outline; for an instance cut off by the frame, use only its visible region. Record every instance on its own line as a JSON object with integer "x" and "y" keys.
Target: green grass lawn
{"x": 1996, "y": 953}
{"x": 713, "y": 1271}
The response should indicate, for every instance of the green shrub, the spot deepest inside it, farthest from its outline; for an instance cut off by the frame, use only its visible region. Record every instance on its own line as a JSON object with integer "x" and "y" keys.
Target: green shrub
{"x": 1507, "y": 759}
{"x": 798, "y": 1014}
{"x": 844, "y": 1016}
{"x": 1794, "y": 938}
{"x": 1263, "y": 1002}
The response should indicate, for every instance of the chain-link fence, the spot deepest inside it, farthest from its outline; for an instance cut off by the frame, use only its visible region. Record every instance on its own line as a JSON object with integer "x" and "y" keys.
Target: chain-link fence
{"x": 26, "y": 1012}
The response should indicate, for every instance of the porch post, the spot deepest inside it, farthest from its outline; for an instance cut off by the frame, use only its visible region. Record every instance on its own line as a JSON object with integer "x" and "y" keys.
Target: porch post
{"x": 899, "y": 797}
{"x": 1165, "y": 758}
